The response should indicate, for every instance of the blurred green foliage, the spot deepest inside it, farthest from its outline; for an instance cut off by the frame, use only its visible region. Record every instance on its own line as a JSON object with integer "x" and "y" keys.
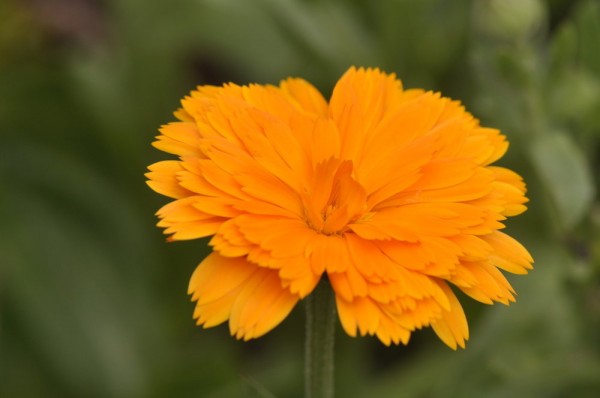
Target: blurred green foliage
{"x": 92, "y": 300}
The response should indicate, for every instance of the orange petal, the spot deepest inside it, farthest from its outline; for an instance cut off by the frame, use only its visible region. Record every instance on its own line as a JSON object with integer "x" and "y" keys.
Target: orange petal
{"x": 452, "y": 327}
{"x": 252, "y": 298}
{"x": 268, "y": 188}
{"x": 349, "y": 284}
{"x": 305, "y": 96}
{"x": 163, "y": 179}
{"x": 490, "y": 284}
{"x": 391, "y": 323}
{"x": 179, "y": 138}
{"x": 328, "y": 253}
{"x": 404, "y": 126}
{"x": 261, "y": 304}
{"x": 185, "y": 221}
{"x": 509, "y": 254}
{"x": 359, "y": 315}
{"x": 359, "y": 101}
{"x": 297, "y": 275}
{"x": 512, "y": 188}
{"x": 267, "y": 231}
{"x": 489, "y": 143}
{"x": 230, "y": 242}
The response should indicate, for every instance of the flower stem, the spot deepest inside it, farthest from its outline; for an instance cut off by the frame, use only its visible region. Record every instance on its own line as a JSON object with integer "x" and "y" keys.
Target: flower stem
{"x": 318, "y": 348}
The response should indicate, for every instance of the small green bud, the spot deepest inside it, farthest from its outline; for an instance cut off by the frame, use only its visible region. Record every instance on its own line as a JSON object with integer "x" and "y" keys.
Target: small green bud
{"x": 509, "y": 19}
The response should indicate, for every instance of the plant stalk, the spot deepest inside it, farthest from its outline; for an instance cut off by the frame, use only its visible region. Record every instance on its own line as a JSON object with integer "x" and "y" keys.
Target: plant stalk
{"x": 319, "y": 344}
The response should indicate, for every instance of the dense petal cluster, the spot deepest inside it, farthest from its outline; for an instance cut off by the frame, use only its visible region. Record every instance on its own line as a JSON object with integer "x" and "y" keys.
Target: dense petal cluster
{"x": 389, "y": 193}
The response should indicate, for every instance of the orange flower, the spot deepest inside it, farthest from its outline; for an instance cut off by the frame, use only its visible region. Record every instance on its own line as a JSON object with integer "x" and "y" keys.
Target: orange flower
{"x": 388, "y": 192}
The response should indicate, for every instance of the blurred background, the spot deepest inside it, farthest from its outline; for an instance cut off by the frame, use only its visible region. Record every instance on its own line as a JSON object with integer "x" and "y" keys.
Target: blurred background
{"x": 93, "y": 301}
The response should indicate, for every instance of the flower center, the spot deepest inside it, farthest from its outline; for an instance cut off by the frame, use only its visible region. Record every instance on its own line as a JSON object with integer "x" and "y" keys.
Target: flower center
{"x": 335, "y": 199}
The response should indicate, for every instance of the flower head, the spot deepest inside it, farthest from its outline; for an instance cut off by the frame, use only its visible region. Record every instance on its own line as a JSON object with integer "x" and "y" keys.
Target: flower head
{"x": 388, "y": 192}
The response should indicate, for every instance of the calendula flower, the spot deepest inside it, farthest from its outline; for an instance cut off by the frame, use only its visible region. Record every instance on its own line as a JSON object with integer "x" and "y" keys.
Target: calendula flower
{"x": 387, "y": 193}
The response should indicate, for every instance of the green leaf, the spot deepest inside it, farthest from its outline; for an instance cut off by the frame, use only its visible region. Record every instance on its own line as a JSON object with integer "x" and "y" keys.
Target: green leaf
{"x": 565, "y": 173}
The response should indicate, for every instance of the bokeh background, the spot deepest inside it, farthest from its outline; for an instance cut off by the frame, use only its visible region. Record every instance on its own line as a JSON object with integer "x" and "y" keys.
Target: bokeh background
{"x": 93, "y": 301}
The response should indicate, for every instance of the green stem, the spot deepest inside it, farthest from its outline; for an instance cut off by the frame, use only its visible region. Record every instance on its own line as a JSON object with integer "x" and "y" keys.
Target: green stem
{"x": 318, "y": 348}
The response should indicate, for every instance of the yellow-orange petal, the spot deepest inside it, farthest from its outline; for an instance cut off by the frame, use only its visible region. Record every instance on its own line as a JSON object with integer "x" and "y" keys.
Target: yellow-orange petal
{"x": 361, "y": 315}
{"x": 490, "y": 284}
{"x": 297, "y": 276}
{"x": 325, "y": 140}
{"x": 391, "y": 322}
{"x": 179, "y": 138}
{"x": 508, "y": 253}
{"x": 184, "y": 221}
{"x": 489, "y": 143}
{"x": 267, "y": 232}
{"x": 162, "y": 178}
{"x": 252, "y": 298}
{"x": 367, "y": 258}
{"x": 230, "y": 242}
{"x": 452, "y": 327}
{"x": 511, "y": 187}
{"x": 348, "y": 285}
{"x": 330, "y": 253}
{"x": 305, "y": 96}
{"x": 390, "y": 332}
{"x": 408, "y": 222}
{"x": 265, "y": 188}
{"x": 402, "y": 125}
{"x": 358, "y": 103}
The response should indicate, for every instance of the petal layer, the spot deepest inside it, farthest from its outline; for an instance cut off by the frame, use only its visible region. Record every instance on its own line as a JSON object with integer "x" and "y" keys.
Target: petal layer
{"x": 250, "y": 297}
